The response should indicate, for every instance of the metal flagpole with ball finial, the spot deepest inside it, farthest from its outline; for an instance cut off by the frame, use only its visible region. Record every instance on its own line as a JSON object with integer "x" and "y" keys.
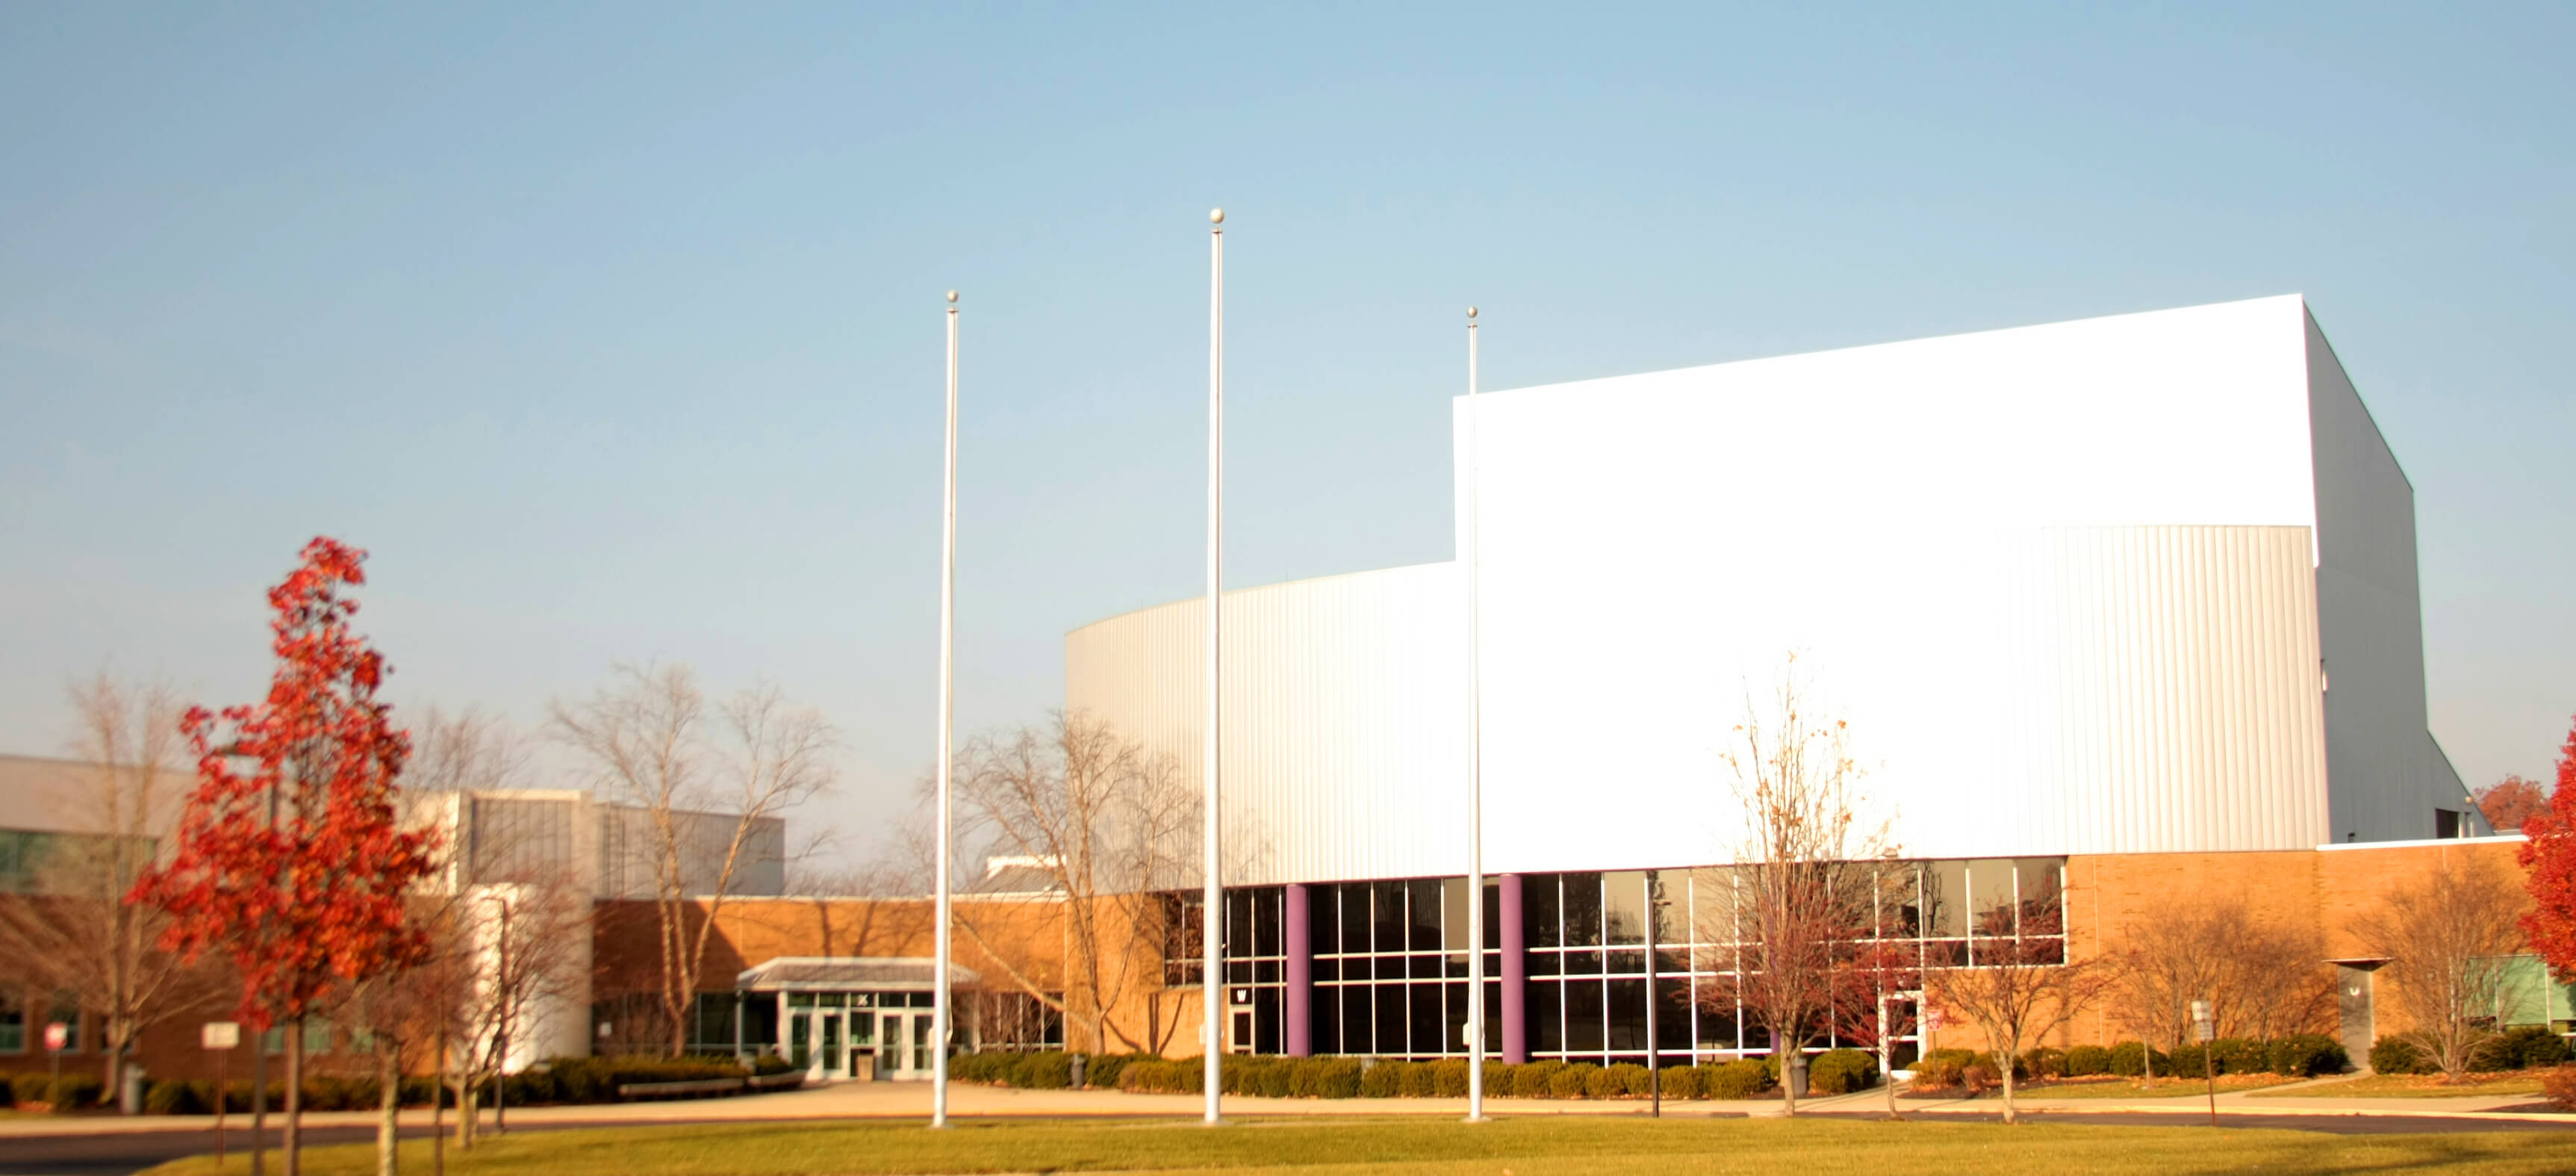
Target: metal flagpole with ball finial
{"x": 942, "y": 1014}
{"x": 1212, "y": 901}
{"x": 1475, "y": 773}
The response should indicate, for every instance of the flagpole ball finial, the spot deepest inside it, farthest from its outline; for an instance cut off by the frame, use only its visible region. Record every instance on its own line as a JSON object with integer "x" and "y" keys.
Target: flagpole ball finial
{"x": 1216, "y": 216}
{"x": 952, "y": 296}
{"x": 1471, "y": 312}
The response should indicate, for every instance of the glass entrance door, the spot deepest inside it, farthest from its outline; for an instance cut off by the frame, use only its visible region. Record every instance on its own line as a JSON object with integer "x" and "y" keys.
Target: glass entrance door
{"x": 903, "y": 1043}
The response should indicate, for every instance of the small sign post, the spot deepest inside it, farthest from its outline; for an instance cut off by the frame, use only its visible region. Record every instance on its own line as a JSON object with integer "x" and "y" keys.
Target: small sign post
{"x": 2204, "y": 1028}
{"x": 221, "y": 1037}
{"x": 57, "y": 1035}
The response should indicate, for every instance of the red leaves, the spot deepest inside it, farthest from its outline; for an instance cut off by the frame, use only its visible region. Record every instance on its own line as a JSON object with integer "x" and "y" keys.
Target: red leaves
{"x": 2550, "y": 860}
{"x": 290, "y": 859}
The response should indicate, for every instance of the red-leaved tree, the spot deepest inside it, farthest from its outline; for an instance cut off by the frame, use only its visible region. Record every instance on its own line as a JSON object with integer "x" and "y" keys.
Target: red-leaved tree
{"x": 289, "y": 858}
{"x": 2549, "y": 866}
{"x": 2511, "y": 803}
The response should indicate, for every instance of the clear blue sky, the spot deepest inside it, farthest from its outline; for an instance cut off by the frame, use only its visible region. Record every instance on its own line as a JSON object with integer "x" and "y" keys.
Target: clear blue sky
{"x": 614, "y": 332}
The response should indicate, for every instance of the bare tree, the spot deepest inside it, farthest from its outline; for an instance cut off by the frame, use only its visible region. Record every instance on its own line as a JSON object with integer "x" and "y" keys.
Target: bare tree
{"x": 76, "y": 933}
{"x": 1806, "y": 880}
{"x": 1109, "y": 824}
{"x": 708, "y": 787}
{"x": 2449, "y": 939}
{"x": 2016, "y": 984}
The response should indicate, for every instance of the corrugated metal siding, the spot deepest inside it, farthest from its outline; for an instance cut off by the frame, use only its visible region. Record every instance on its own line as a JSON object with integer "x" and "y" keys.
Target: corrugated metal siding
{"x": 2129, "y": 689}
{"x": 1344, "y": 700}
{"x": 2385, "y": 782}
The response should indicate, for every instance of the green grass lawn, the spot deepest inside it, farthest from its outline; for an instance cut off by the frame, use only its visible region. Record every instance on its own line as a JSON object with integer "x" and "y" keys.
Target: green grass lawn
{"x": 1550, "y": 1146}
{"x": 2424, "y": 1086}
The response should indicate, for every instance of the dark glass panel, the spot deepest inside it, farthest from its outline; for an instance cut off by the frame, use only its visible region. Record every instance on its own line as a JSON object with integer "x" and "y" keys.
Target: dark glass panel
{"x": 1625, "y": 963}
{"x": 1903, "y": 889}
{"x": 1493, "y": 914}
{"x": 1539, "y": 909}
{"x": 1453, "y": 1017}
{"x": 1238, "y": 972}
{"x": 1423, "y": 923}
{"x": 1322, "y": 971}
{"x": 1324, "y": 1019}
{"x": 2050, "y": 950}
{"x": 1353, "y": 898}
{"x": 1672, "y": 1016}
{"x": 1323, "y": 920}
{"x": 1583, "y": 963}
{"x": 1268, "y": 909}
{"x": 1268, "y": 972}
{"x": 1672, "y": 961}
{"x": 1390, "y": 1020}
{"x": 2043, "y": 903}
{"x": 1671, "y": 907}
{"x": 1628, "y": 1015}
{"x": 1238, "y": 922}
{"x": 1623, "y": 906}
{"x": 1582, "y": 910}
{"x": 1545, "y": 963}
{"x": 1358, "y": 1007}
{"x": 1357, "y": 968}
{"x": 1945, "y": 895}
{"x": 1584, "y": 1020}
{"x": 1386, "y": 901}
{"x": 1717, "y": 1026}
{"x": 1266, "y": 1028}
{"x": 1545, "y": 1007}
{"x": 1494, "y": 1018}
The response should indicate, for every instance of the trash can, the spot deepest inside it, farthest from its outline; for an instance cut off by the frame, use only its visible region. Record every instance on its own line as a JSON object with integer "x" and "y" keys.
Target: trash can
{"x": 129, "y": 1094}
{"x": 1793, "y": 1074}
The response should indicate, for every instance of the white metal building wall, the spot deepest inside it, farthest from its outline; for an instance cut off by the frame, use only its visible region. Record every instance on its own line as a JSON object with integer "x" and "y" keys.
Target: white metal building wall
{"x": 2387, "y": 774}
{"x": 2063, "y": 582}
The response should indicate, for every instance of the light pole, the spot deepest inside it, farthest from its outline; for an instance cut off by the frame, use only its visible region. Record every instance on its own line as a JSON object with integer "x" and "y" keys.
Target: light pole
{"x": 508, "y": 995}
{"x": 1475, "y": 774}
{"x": 940, "y": 998}
{"x": 1212, "y": 900}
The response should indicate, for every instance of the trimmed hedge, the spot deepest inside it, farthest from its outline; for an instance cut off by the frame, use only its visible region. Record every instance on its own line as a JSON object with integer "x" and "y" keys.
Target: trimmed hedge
{"x": 1841, "y": 1071}
{"x": 2396, "y": 1055}
{"x": 2085, "y": 1061}
{"x": 1347, "y": 1077}
{"x": 2530, "y": 1047}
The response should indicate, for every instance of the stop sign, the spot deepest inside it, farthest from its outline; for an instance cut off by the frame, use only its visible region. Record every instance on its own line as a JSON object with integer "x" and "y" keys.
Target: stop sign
{"x": 57, "y": 1035}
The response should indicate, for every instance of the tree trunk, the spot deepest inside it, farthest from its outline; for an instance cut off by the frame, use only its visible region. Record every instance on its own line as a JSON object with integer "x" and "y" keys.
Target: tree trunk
{"x": 467, "y": 1114}
{"x": 294, "y": 1146}
{"x": 438, "y": 1111}
{"x": 2006, "y": 1066}
{"x": 1788, "y": 1086}
{"x": 388, "y": 1106}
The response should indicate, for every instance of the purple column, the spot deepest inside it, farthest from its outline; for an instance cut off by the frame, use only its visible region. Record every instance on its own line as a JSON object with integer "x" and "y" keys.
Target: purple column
{"x": 1515, "y": 974}
{"x": 1301, "y": 975}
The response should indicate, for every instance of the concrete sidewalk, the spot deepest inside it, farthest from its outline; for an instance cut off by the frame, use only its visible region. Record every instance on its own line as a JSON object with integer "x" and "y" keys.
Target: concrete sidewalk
{"x": 911, "y": 1100}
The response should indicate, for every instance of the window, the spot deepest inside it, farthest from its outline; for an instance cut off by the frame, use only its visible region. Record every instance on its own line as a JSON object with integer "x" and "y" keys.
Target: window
{"x": 13, "y": 1025}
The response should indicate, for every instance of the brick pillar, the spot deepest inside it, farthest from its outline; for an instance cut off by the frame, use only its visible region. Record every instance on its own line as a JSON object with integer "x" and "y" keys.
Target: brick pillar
{"x": 1515, "y": 973}
{"x": 1300, "y": 996}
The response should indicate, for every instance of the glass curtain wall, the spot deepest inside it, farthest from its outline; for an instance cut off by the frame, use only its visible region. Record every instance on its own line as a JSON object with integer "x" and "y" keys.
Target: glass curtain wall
{"x": 1390, "y": 967}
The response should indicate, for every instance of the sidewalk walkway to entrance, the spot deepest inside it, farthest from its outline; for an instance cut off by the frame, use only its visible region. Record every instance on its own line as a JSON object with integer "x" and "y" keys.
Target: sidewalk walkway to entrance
{"x": 901, "y": 1100}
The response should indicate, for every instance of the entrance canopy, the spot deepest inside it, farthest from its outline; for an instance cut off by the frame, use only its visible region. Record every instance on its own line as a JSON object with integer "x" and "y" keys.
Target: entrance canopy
{"x": 850, "y": 973}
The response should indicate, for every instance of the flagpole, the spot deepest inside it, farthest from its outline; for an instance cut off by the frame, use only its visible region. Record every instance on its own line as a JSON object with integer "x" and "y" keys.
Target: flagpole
{"x": 1212, "y": 902}
{"x": 1475, "y": 772}
{"x": 941, "y": 998}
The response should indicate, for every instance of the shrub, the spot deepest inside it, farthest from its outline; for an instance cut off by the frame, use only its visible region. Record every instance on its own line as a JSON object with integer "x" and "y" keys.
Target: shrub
{"x": 2308, "y": 1055}
{"x": 1841, "y": 1071}
{"x": 1942, "y": 1069}
{"x": 2241, "y": 1055}
{"x": 71, "y": 1092}
{"x": 1325, "y": 1078}
{"x": 1101, "y": 1073}
{"x": 1448, "y": 1077}
{"x": 769, "y": 1063}
{"x": 2129, "y": 1059}
{"x": 1382, "y": 1079}
{"x": 1980, "y": 1073}
{"x": 1498, "y": 1078}
{"x": 1535, "y": 1079}
{"x": 171, "y": 1097}
{"x": 1266, "y": 1077}
{"x": 2084, "y": 1061}
{"x": 1745, "y": 1078}
{"x": 1418, "y": 1080}
{"x": 1682, "y": 1082}
{"x": 2559, "y": 1087}
{"x": 1154, "y": 1075}
{"x": 2396, "y": 1055}
{"x": 2185, "y": 1062}
{"x": 1610, "y": 1081}
{"x": 1045, "y": 1070}
{"x": 1573, "y": 1081}
{"x": 33, "y": 1086}
{"x": 2516, "y": 1049}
